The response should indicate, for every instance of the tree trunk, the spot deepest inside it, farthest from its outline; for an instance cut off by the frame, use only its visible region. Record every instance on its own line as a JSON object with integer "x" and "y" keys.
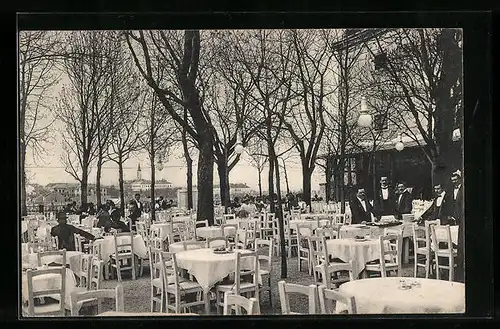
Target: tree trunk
{"x": 281, "y": 217}
{"x": 98, "y": 182}
{"x": 152, "y": 192}
{"x": 84, "y": 185}
{"x": 189, "y": 181}
{"x": 121, "y": 185}
{"x": 306, "y": 184}
{"x": 272, "y": 161}
{"x": 286, "y": 178}
{"x": 328, "y": 174}
{"x": 206, "y": 178}
{"x": 260, "y": 183}
{"x": 223, "y": 182}
{"x": 22, "y": 158}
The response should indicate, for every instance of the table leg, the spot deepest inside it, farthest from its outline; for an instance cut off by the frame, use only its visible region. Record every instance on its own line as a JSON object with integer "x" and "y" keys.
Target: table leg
{"x": 206, "y": 298}
{"x": 406, "y": 250}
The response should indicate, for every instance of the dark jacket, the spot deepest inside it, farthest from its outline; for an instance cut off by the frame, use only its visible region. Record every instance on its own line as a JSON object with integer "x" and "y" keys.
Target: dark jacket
{"x": 384, "y": 207}
{"x": 64, "y": 233}
{"x": 358, "y": 213}
{"x": 404, "y": 206}
{"x": 434, "y": 211}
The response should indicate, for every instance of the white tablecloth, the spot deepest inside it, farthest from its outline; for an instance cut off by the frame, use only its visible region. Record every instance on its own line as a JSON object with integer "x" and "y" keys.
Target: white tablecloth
{"x": 163, "y": 227}
{"x": 383, "y": 296}
{"x": 313, "y": 216}
{"x": 350, "y": 231}
{"x": 348, "y": 249}
{"x": 179, "y": 246}
{"x": 207, "y": 267}
{"x": 213, "y": 231}
{"x": 108, "y": 246}
{"x": 49, "y": 281}
{"x": 73, "y": 259}
{"x": 312, "y": 222}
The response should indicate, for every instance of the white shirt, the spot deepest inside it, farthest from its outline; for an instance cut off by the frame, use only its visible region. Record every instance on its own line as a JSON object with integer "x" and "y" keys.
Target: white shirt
{"x": 455, "y": 191}
{"x": 440, "y": 198}
{"x": 385, "y": 193}
{"x": 399, "y": 199}
{"x": 363, "y": 203}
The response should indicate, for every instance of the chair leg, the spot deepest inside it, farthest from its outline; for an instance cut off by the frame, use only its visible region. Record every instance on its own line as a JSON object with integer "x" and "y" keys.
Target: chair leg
{"x": 218, "y": 301}
{"x": 427, "y": 266}
{"x": 270, "y": 292}
{"x": 133, "y": 267}
{"x": 451, "y": 272}
{"x": 415, "y": 267}
{"x": 118, "y": 270}
{"x": 438, "y": 275}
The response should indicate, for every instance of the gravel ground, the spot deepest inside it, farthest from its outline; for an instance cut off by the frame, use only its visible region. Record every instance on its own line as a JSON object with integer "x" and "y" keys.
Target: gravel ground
{"x": 137, "y": 292}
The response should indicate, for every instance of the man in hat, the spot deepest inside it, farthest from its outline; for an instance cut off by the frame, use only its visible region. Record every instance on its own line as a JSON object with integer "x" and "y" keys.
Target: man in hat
{"x": 384, "y": 199}
{"x": 64, "y": 233}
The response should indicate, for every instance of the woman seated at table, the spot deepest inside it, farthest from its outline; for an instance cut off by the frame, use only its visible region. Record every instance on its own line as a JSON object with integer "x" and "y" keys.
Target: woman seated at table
{"x": 64, "y": 233}
{"x": 105, "y": 220}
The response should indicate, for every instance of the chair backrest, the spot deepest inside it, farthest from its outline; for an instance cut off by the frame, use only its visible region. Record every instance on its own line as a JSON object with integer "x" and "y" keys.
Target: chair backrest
{"x": 265, "y": 261}
{"x": 237, "y": 302}
{"x": 60, "y": 292}
{"x": 78, "y": 242}
{"x": 169, "y": 270}
{"x": 326, "y": 296}
{"x": 191, "y": 228}
{"x": 229, "y": 233}
{"x": 189, "y": 245}
{"x": 154, "y": 261}
{"x": 254, "y": 271}
{"x": 390, "y": 249}
{"x": 335, "y": 267}
{"x": 317, "y": 250}
{"x": 95, "y": 273}
{"x": 202, "y": 223}
{"x": 59, "y": 255}
{"x": 142, "y": 230}
{"x": 295, "y": 214}
{"x": 95, "y": 249}
{"x": 430, "y": 223}
{"x": 124, "y": 242}
{"x": 328, "y": 232}
{"x": 339, "y": 219}
{"x": 216, "y": 242}
{"x": 100, "y": 295}
{"x": 304, "y": 230}
{"x": 228, "y": 217}
{"x": 180, "y": 229}
{"x": 55, "y": 242}
{"x": 441, "y": 235}
{"x": 421, "y": 238}
{"x": 85, "y": 261}
{"x": 285, "y": 289}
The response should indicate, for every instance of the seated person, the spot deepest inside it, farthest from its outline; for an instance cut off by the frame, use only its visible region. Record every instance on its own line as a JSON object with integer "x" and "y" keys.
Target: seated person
{"x": 64, "y": 233}
{"x": 114, "y": 214}
{"x": 134, "y": 214}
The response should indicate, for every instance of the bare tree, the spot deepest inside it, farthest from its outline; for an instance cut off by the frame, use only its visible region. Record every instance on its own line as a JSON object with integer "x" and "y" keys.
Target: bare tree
{"x": 306, "y": 124}
{"x": 158, "y": 137}
{"x": 423, "y": 67}
{"x": 257, "y": 159}
{"x": 169, "y": 61}
{"x": 126, "y": 130}
{"x": 37, "y": 75}
{"x": 82, "y": 103}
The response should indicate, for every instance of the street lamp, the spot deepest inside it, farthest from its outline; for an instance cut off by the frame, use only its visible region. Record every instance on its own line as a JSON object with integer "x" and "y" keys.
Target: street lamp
{"x": 456, "y": 135}
{"x": 365, "y": 118}
{"x": 399, "y": 143}
{"x": 238, "y": 147}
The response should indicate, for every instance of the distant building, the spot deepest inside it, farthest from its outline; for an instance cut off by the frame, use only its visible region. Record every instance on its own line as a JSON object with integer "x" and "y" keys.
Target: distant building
{"x": 140, "y": 184}
{"x": 236, "y": 190}
{"x": 71, "y": 190}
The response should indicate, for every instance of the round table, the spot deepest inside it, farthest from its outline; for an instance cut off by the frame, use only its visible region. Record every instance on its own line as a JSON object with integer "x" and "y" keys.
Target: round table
{"x": 108, "y": 246}
{"x": 209, "y": 268}
{"x": 213, "y": 232}
{"x": 350, "y": 231}
{"x": 359, "y": 251}
{"x": 384, "y": 296}
{"x": 73, "y": 259}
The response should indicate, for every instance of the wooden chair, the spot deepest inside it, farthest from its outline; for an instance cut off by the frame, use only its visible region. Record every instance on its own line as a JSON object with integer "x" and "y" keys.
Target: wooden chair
{"x": 202, "y": 223}
{"x": 217, "y": 242}
{"x": 339, "y": 219}
{"x": 232, "y": 237}
{"x": 78, "y": 242}
{"x": 441, "y": 236}
{"x": 237, "y": 302}
{"x": 290, "y": 238}
{"x": 228, "y": 217}
{"x": 143, "y": 231}
{"x": 326, "y": 296}
{"x": 241, "y": 285}
{"x": 421, "y": 249}
{"x": 265, "y": 265}
{"x": 83, "y": 274}
{"x": 266, "y": 225}
{"x": 94, "y": 275}
{"x": 124, "y": 258}
{"x": 54, "y": 243}
{"x": 191, "y": 228}
{"x": 157, "y": 296}
{"x": 286, "y": 289}
{"x": 60, "y": 294}
{"x": 59, "y": 253}
{"x": 99, "y": 295}
{"x": 155, "y": 239}
{"x": 176, "y": 287}
{"x": 389, "y": 257}
{"x": 303, "y": 232}
{"x": 328, "y": 232}
{"x": 196, "y": 244}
